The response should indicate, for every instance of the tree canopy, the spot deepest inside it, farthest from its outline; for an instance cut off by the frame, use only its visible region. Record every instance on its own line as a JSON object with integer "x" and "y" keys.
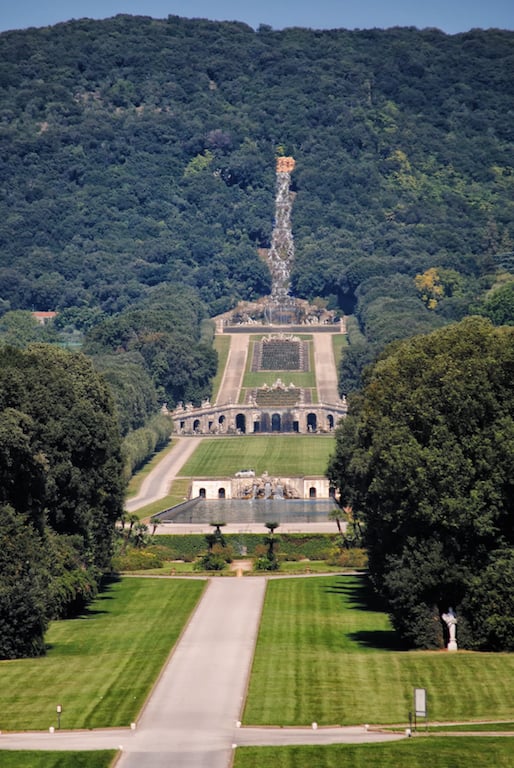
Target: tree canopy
{"x": 137, "y": 155}
{"x": 139, "y": 151}
{"x": 425, "y": 458}
{"x": 61, "y": 489}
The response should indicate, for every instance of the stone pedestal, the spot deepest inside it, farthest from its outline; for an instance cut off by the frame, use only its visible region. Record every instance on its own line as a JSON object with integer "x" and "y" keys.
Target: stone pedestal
{"x": 452, "y": 645}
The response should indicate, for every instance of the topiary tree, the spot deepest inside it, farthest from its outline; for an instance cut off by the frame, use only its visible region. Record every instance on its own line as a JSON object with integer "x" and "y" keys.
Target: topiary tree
{"x": 269, "y": 562}
{"x": 218, "y": 554}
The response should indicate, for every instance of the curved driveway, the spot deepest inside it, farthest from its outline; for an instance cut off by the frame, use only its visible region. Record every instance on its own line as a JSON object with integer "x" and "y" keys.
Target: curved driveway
{"x": 157, "y": 483}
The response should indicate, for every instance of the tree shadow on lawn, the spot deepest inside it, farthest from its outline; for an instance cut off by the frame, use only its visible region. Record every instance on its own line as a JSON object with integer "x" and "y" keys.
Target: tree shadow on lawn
{"x": 85, "y": 611}
{"x": 358, "y": 594}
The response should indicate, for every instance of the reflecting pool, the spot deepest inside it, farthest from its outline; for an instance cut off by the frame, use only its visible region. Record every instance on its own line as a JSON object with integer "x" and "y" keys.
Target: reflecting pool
{"x": 239, "y": 511}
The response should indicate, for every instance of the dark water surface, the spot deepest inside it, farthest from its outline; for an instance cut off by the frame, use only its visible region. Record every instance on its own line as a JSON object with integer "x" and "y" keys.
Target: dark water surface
{"x": 250, "y": 511}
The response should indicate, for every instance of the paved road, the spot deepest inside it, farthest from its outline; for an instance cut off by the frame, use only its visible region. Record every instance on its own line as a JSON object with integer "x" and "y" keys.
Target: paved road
{"x": 190, "y": 720}
{"x": 326, "y": 372}
{"x": 157, "y": 483}
{"x": 234, "y": 369}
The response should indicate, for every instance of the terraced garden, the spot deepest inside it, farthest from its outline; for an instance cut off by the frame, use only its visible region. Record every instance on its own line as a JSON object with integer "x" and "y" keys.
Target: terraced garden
{"x": 302, "y": 377}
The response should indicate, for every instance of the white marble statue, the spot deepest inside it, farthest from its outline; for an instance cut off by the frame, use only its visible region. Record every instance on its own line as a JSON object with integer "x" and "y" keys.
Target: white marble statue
{"x": 451, "y": 622}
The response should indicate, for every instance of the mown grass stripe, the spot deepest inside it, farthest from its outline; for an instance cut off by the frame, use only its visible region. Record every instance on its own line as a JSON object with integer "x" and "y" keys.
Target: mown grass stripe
{"x": 323, "y": 654}
{"x": 420, "y": 752}
{"x": 101, "y": 666}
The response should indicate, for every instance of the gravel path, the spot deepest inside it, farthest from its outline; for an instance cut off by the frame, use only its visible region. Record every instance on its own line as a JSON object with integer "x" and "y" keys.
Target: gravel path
{"x": 234, "y": 369}
{"x": 326, "y": 372}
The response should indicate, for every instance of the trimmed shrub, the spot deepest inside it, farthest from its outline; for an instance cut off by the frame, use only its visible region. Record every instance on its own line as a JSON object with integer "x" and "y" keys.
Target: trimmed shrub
{"x": 137, "y": 560}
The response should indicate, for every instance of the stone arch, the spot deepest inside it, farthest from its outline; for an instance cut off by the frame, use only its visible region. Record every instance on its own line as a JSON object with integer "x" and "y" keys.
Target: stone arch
{"x": 222, "y": 493}
{"x": 196, "y": 425}
{"x": 276, "y": 422}
{"x": 330, "y": 421}
{"x": 312, "y": 422}
{"x": 202, "y": 493}
{"x": 241, "y": 423}
{"x": 312, "y": 492}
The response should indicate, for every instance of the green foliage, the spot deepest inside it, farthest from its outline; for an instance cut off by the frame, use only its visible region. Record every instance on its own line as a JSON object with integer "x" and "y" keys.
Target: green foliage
{"x": 354, "y": 557}
{"x": 141, "y": 153}
{"x": 267, "y": 563}
{"x": 489, "y": 604}
{"x": 425, "y": 461}
{"x": 139, "y": 445}
{"x": 19, "y": 328}
{"x": 499, "y": 305}
{"x": 133, "y": 390}
{"x": 23, "y": 584}
{"x": 211, "y": 561}
{"x": 293, "y": 546}
{"x": 61, "y": 474}
{"x": 136, "y": 560}
{"x": 160, "y": 341}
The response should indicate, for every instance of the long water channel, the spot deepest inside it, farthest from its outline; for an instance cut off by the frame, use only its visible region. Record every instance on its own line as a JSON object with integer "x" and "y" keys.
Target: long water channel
{"x": 240, "y": 511}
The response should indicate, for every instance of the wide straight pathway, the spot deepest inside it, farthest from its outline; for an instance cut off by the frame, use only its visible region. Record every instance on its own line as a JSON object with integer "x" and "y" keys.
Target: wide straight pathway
{"x": 234, "y": 369}
{"x": 191, "y": 717}
{"x": 326, "y": 371}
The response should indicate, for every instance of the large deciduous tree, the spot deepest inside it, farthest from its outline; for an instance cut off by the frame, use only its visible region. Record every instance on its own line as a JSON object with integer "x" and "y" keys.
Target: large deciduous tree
{"x": 426, "y": 460}
{"x": 61, "y": 489}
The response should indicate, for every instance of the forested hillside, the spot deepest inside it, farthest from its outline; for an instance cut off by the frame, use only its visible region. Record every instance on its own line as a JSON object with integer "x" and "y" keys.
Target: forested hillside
{"x": 137, "y": 159}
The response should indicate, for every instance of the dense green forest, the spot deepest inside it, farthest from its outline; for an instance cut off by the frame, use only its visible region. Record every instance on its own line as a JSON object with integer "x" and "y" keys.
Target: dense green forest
{"x": 137, "y": 159}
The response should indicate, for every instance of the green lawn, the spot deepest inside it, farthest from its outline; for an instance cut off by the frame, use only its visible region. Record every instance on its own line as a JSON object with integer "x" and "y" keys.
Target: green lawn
{"x": 30, "y": 759}
{"x": 419, "y": 752}
{"x": 339, "y": 344}
{"x": 325, "y": 655}
{"x": 279, "y": 455}
{"x": 99, "y": 667}
{"x": 222, "y": 347}
{"x": 254, "y": 379}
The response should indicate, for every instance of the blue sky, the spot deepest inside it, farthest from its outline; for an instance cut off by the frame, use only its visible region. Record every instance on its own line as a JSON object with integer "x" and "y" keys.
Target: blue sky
{"x": 449, "y": 15}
